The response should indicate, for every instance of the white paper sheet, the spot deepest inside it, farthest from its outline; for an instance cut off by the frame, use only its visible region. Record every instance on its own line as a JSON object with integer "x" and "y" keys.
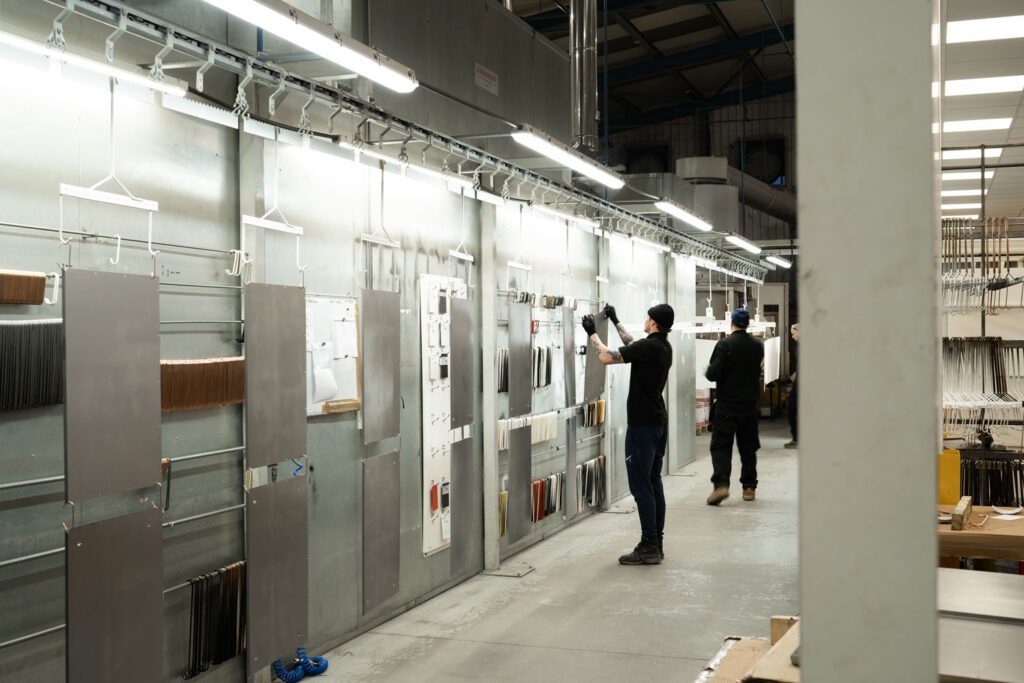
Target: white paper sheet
{"x": 704, "y": 349}
{"x": 324, "y": 385}
{"x": 772, "y": 359}
{"x": 345, "y": 343}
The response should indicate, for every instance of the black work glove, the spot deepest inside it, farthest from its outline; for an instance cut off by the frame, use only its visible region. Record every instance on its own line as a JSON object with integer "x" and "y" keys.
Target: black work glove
{"x": 588, "y": 325}
{"x": 609, "y": 311}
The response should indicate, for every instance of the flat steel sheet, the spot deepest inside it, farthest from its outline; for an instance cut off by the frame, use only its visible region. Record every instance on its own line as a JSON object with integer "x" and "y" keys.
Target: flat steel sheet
{"x": 520, "y": 360}
{"x": 381, "y": 359}
{"x": 520, "y": 479}
{"x": 569, "y": 354}
{"x": 569, "y": 499}
{"x": 983, "y": 594}
{"x": 466, "y": 549}
{"x": 278, "y": 572}
{"x": 114, "y": 599}
{"x": 980, "y": 651}
{"x": 381, "y": 528}
{"x": 463, "y": 353}
{"x": 275, "y": 373}
{"x": 112, "y": 383}
{"x": 593, "y": 380}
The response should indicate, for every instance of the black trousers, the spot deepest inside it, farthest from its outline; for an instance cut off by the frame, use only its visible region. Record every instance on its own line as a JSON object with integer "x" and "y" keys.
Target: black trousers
{"x": 791, "y": 406}
{"x": 734, "y": 421}
{"x": 645, "y": 453}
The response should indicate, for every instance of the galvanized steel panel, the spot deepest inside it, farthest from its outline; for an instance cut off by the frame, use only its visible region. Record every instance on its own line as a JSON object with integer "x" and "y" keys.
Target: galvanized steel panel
{"x": 381, "y": 358}
{"x": 463, "y": 510}
{"x": 381, "y": 528}
{"x": 519, "y": 519}
{"x": 464, "y": 347}
{"x": 569, "y": 354}
{"x": 520, "y": 360}
{"x": 593, "y": 380}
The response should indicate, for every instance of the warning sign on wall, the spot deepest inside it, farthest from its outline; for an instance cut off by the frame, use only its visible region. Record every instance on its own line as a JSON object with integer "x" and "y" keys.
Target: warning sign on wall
{"x": 486, "y": 79}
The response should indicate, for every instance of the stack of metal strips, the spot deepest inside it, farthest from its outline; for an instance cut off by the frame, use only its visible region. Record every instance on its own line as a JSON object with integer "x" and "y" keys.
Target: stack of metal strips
{"x": 217, "y": 618}
{"x": 974, "y": 369}
{"x": 31, "y": 364}
{"x": 992, "y": 479}
{"x": 963, "y": 288}
{"x": 22, "y": 287}
{"x": 206, "y": 383}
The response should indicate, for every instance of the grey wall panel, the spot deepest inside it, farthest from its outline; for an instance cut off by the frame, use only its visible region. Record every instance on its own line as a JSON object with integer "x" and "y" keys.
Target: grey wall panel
{"x": 381, "y": 358}
{"x": 381, "y": 528}
{"x": 593, "y": 384}
{"x": 275, "y": 373}
{"x": 569, "y": 354}
{"x": 112, "y": 371}
{"x": 114, "y": 598}
{"x": 520, "y": 360}
{"x": 278, "y": 572}
{"x": 569, "y": 500}
{"x": 464, "y": 482}
{"x": 520, "y": 497}
{"x": 465, "y": 345}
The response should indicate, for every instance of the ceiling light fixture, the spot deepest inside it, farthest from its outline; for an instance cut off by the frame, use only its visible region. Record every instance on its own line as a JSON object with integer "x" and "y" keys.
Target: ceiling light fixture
{"x": 991, "y": 154}
{"x": 984, "y": 86}
{"x": 742, "y": 243}
{"x": 542, "y": 143}
{"x": 779, "y": 261}
{"x": 974, "y": 30}
{"x": 972, "y": 125}
{"x": 565, "y": 215}
{"x": 169, "y": 86}
{"x": 286, "y": 22}
{"x": 682, "y": 213}
{"x": 967, "y": 175}
{"x": 961, "y": 207}
{"x": 961, "y": 193}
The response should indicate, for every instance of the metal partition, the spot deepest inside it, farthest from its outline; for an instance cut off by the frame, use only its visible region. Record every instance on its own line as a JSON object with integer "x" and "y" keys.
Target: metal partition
{"x": 593, "y": 382}
{"x": 381, "y": 528}
{"x": 114, "y": 599}
{"x": 278, "y": 572}
{"x": 520, "y": 360}
{"x": 520, "y": 477}
{"x": 381, "y": 359}
{"x": 112, "y": 383}
{"x": 569, "y": 353}
{"x": 275, "y": 373}
{"x": 463, "y": 512}
{"x": 464, "y": 345}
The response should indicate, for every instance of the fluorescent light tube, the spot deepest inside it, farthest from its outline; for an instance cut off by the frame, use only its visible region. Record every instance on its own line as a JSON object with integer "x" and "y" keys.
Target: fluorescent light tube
{"x": 967, "y": 175}
{"x": 652, "y": 245}
{"x": 306, "y": 32}
{"x": 961, "y": 207}
{"x": 735, "y": 239}
{"x": 971, "y": 125}
{"x": 779, "y": 261}
{"x": 565, "y": 215}
{"x": 961, "y": 193}
{"x": 974, "y": 30}
{"x": 991, "y": 154}
{"x": 170, "y": 86}
{"x": 675, "y": 210}
{"x": 984, "y": 86}
{"x": 542, "y": 143}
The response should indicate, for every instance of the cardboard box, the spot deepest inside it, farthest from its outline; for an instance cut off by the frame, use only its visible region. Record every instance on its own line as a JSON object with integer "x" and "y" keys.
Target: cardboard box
{"x": 734, "y": 660}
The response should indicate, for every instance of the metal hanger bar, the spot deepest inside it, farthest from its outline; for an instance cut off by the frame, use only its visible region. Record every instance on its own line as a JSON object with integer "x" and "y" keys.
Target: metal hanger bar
{"x": 96, "y": 235}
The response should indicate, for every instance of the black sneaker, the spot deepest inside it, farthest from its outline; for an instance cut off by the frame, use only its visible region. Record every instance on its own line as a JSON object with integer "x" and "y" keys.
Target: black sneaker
{"x": 661, "y": 546}
{"x": 646, "y": 552}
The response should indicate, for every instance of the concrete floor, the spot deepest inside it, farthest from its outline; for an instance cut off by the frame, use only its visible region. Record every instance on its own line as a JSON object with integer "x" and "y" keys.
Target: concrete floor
{"x": 581, "y": 616}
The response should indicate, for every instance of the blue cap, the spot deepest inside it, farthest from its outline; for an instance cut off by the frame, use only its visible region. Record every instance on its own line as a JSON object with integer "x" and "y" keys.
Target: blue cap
{"x": 740, "y": 318}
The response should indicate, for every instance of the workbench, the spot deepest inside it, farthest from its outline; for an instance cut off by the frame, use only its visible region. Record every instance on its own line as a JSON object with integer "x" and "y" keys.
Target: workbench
{"x": 997, "y": 539}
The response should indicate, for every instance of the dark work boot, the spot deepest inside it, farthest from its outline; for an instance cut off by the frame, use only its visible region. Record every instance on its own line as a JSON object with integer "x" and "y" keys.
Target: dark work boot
{"x": 661, "y": 546}
{"x": 646, "y": 552}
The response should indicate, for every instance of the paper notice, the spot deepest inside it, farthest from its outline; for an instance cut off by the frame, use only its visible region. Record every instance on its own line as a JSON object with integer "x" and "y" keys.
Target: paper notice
{"x": 346, "y": 345}
{"x": 324, "y": 385}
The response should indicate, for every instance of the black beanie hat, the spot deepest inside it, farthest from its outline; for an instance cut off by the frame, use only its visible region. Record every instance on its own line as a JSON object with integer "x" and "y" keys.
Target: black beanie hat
{"x": 663, "y": 315}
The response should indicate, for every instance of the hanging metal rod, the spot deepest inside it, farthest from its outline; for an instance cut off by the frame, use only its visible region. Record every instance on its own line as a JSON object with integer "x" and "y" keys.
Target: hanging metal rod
{"x": 96, "y": 235}
{"x": 202, "y": 322}
{"x": 976, "y": 167}
{"x": 30, "y": 482}
{"x": 198, "y": 286}
{"x": 156, "y": 30}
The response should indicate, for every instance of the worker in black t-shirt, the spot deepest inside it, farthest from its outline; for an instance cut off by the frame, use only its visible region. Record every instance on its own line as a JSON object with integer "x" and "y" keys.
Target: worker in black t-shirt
{"x": 647, "y": 421}
{"x": 736, "y": 369}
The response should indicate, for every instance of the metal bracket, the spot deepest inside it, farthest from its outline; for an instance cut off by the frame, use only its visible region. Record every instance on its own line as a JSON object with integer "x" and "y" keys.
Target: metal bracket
{"x": 305, "y": 124}
{"x": 330, "y": 120}
{"x": 279, "y": 93}
{"x": 56, "y": 39}
{"x": 241, "y": 107}
{"x": 201, "y": 73}
{"x": 122, "y": 26}
{"x": 156, "y": 72}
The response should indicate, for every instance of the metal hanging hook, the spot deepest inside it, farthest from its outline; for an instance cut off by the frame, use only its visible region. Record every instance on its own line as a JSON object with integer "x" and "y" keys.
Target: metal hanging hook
{"x": 156, "y": 72}
{"x": 56, "y": 39}
{"x": 305, "y": 123}
{"x": 56, "y": 289}
{"x": 241, "y": 107}
{"x": 117, "y": 254}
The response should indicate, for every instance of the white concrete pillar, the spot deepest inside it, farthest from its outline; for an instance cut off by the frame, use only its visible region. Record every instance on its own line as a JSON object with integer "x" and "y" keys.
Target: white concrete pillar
{"x": 868, "y": 363}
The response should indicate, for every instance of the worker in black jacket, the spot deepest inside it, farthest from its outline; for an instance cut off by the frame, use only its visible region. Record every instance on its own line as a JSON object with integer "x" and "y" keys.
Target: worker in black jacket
{"x": 736, "y": 369}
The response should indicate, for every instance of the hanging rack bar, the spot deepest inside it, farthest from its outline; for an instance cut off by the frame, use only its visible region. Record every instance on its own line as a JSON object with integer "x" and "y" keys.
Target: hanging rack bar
{"x": 96, "y": 235}
{"x": 186, "y": 520}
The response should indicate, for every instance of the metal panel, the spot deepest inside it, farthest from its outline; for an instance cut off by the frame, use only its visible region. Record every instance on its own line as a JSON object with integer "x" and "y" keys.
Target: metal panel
{"x": 463, "y": 510}
{"x": 593, "y": 380}
{"x": 569, "y": 354}
{"x": 275, "y": 373}
{"x": 112, "y": 374}
{"x": 381, "y": 359}
{"x": 520, "y": 477}
{"x": 114, "y": 598}
{"x": 278, "y": 575}
{"x": 569, "y": 498}
{"x": 381, "y": 528}
{"x": 520, "y": 360}
{"x": 463, "y": 352}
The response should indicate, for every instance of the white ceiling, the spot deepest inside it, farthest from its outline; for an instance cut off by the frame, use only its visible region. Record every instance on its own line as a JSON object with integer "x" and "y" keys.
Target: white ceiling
{"x": 983, "y": 60}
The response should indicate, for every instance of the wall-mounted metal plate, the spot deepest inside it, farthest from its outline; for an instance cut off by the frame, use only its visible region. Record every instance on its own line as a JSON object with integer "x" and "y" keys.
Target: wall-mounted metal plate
{"x": 382, "y": 336}
{"x": 464, "y": 351}
{"x": 466, "y": 549}
{"x": 275, "y": 373}
{"x": 114, "y": 599}
{"x": 112, "y": 383}
{"x": 593, "y": 381}
{"x": 278, "y": 572}
{"x": 520, "y": 495}
{"x": 381, "y": 528}
{"x": 520, "y": 360}
{"x": 569, "y": 354}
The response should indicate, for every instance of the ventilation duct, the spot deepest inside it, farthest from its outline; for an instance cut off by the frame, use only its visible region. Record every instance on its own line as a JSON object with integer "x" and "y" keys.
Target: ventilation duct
{"x": 583, "y": 73}
{"x": 756, "y": 194}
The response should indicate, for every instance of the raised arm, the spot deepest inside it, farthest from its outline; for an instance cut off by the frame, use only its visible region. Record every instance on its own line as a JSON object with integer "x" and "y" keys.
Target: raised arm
{"x": 604, "y": 354}
{"x": 626, "y": 337}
